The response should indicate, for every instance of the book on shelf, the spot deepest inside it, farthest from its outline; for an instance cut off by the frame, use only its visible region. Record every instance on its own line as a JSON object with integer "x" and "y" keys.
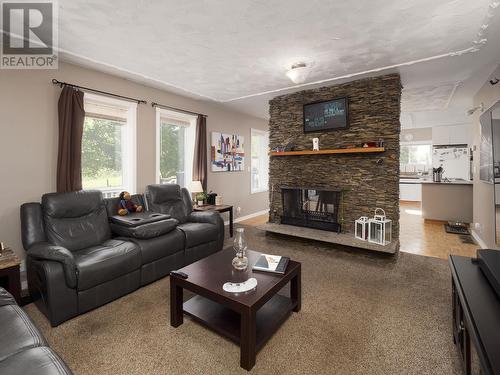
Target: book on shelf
{"x": 271, "y": 263}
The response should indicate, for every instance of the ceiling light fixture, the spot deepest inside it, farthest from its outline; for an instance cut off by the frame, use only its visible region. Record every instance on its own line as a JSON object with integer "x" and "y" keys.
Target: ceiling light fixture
{"x": 298, "y": 72}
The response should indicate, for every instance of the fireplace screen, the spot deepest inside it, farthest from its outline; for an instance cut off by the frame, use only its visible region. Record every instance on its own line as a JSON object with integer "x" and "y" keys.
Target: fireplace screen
{"x": 314, "y": 208}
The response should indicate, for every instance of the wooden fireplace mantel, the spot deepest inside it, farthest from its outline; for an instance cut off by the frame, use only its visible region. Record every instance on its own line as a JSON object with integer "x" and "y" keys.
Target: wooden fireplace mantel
{"x": 359, "y": 150}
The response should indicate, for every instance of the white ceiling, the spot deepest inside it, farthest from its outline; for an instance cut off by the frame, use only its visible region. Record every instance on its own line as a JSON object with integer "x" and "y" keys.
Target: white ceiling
{"x": 237, "y": 52}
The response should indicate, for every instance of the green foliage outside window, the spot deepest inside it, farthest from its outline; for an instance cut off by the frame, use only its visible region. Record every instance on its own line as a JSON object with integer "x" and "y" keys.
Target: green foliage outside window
{"x": 102, "y": 153}
{"x": 171, "y": 152}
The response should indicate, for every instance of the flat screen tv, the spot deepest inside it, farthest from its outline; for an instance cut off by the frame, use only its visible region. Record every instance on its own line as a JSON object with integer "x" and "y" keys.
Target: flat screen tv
{"x": 326, "y": 116}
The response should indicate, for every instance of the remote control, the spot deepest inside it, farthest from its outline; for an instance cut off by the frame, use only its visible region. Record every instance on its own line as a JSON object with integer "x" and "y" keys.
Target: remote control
{"x": 180, "y": 274}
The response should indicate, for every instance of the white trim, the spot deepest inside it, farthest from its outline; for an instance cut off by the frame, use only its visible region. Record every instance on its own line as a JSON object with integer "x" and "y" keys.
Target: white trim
{"x": 249, "y": 216}
{"x": 261, "y": 190}
{"x": 189, "y": 147}
{"x": 131, "y": 150}
{"x": 478, "y": 239}
{"x": 262, "y": 133}
{"x": 129, "y": 146}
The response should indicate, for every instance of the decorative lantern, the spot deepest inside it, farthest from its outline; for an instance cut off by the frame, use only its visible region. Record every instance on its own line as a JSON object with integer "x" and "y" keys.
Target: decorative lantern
{"x": 361, "y": 228}
{"x": 379, "y": 228}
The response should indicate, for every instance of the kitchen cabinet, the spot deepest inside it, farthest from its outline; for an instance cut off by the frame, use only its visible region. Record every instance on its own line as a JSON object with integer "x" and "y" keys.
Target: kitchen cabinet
{"x": 440, "y": 135}
{"x": 410, "y": 192}
{"x": 447, "y": 201}
{"x": 452, "y": 135}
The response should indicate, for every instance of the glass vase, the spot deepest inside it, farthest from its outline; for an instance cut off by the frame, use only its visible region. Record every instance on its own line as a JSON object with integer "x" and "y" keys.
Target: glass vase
{"x": 240, "y": 261}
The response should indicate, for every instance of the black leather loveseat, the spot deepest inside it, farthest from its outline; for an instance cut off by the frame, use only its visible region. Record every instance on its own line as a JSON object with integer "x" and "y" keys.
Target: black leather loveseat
{"x": 23, "y": 349}
{"x": 76, "y": 263}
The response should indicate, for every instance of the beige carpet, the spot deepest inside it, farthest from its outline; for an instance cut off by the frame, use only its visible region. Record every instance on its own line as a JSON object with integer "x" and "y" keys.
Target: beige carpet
{"x": 361, "y": 314}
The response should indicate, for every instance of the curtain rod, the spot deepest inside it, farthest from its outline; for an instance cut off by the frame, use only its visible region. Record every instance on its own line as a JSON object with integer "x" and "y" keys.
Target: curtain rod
{"x": 153, "y": 104}
{"x": 61, "y": 84}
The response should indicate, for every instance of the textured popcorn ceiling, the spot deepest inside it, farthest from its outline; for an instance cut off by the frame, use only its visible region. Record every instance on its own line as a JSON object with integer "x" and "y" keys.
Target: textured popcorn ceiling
{"x": 427, "y": 98}
{"x": 236, "y": 51}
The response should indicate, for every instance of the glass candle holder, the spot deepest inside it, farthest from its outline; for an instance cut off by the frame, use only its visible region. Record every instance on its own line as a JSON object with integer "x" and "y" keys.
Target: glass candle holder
{"x": 240, "y": 261}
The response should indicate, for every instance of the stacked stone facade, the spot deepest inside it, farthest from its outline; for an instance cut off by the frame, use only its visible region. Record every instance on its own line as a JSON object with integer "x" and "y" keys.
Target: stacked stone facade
{"x": 370, "y": 180}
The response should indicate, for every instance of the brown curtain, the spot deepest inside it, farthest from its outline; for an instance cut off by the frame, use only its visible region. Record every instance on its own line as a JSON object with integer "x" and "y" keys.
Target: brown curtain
{"x": 200, "y": 152}
{"x": 69, "y": 159}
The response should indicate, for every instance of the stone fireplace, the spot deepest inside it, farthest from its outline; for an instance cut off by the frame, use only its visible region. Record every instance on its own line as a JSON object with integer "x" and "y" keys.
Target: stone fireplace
{"x": 367, "y": 180}
{"x": 312, "y": 208}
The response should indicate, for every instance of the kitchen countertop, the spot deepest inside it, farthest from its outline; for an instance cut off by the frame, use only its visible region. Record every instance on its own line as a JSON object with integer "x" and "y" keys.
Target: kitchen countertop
{"x": 425, "y": 181}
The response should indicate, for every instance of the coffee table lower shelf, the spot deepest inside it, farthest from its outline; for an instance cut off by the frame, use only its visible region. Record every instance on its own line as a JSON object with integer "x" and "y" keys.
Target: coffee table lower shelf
{"x": 226, "y": 322}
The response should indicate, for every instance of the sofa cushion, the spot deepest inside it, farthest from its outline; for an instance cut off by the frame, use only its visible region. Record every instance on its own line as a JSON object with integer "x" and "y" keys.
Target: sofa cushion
{"x": 198, "y": 233}
{"x": 35, "y": 361}
{"x": 75, "y": 220}
{"x": 156, "y": 248}
{"x": 145, "y": 231}
{"x": 105, "y": 262}
{"x": 17, "y": 331}
{"x": 167, "y": 199}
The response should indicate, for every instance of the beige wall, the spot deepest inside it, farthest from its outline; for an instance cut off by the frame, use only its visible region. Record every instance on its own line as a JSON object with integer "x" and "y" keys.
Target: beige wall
{"x": 484, "y": 198}
{"x": 28, "y": 148}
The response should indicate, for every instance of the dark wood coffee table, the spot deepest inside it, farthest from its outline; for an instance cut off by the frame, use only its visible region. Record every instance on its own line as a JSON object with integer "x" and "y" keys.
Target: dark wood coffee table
{"x": 249, "y": 319}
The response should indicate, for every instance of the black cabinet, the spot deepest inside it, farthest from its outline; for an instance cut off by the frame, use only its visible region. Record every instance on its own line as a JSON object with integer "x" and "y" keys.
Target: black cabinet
{"x": 476, "y": 318}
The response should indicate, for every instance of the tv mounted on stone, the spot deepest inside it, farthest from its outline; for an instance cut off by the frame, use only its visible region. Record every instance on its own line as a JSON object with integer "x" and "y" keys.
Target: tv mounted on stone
{"x": 326, "y": 115}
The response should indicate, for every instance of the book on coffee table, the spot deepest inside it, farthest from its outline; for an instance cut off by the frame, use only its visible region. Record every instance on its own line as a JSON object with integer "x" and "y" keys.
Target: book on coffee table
{"x": 271, "y": 263}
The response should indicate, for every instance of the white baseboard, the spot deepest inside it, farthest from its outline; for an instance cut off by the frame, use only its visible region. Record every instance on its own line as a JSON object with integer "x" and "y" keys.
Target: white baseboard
{"x": 478, "y": 239}
{"x": 250, "y": 216}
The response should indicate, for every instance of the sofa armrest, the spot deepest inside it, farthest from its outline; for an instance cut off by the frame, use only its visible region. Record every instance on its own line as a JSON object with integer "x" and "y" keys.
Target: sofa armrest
{"x": 45, "y": 251}
{"x": 210, "y": 217}
{"x": 6, "y": 298}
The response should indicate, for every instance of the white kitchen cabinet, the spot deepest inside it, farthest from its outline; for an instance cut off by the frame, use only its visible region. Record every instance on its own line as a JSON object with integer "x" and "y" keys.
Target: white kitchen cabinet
{"x": 452, "y": 135}
{"x": 440, "y": 135}
{"x": 410, "y": 192}
{"x": 460, "y": 135}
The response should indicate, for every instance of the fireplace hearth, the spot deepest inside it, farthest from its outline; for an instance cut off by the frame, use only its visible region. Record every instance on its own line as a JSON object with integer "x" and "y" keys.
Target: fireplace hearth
{"x": 311, "y": 207}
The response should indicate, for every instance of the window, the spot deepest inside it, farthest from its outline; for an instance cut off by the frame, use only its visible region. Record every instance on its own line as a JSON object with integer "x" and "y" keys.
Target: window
{"x": 415, "y": 157}
{"x": 260, "y": 160}
{"x": 108, "y": 145}
{"x": 175, "y": 137}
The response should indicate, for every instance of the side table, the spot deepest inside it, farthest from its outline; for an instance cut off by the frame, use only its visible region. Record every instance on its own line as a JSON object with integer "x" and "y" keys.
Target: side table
{"x": 10, "y": 278}
{"x": 221, "y": 208}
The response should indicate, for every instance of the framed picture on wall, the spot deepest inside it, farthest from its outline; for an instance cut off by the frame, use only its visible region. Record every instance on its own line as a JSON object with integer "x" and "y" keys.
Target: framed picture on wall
{"x": 227, "y": 152}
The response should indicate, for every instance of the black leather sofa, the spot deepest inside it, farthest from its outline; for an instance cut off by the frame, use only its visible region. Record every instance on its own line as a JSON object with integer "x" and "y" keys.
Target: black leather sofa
{"x": 23, "y": 349}
{"x": 76, "y": 263}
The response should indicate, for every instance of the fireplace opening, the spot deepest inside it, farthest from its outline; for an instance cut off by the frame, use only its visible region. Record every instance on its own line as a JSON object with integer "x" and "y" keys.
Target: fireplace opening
{"x": 311, "y": 207}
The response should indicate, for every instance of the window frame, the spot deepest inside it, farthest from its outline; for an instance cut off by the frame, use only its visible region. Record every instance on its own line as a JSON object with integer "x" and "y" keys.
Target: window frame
{"x": 189, "y": 149}
{"x": 265, "y": 133}
{"x": 129, "y": 143}
{"x": 418, "y": 143}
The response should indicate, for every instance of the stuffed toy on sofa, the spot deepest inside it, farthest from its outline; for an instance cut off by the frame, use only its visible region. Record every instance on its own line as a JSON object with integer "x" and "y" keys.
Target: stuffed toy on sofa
{"x": 126, "y": 206}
